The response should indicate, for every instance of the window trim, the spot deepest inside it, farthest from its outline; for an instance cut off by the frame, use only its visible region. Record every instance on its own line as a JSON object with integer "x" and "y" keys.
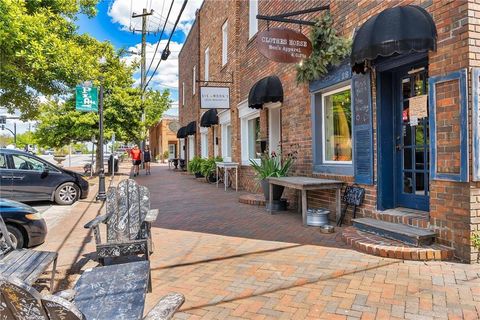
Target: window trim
{"x": 245, "y": 114}
{"x": 194, "y": 79}
{"x": 252, "y": 23}
{"x": 225, "y": 43}
{"x": 206, "y": 61}
{"x": 183, "y": 93}
{"x": 326, "y": 94}
{"x": 317, "y": 134}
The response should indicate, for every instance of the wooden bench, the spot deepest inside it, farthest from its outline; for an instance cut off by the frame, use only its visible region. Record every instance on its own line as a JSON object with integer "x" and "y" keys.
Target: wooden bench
{"x": 24, "y": 264}
{"x": 21, "y": 301}
{"x": 128, "y": 221}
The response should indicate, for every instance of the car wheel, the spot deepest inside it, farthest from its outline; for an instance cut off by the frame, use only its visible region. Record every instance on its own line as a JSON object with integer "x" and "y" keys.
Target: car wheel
{"x": 67, "y": 193}
{"x": 16, "y": 237}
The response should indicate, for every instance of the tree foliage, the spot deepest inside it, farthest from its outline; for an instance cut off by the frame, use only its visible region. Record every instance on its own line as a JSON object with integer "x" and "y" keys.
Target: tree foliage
{"x": 328, "y": 49}
{"x": 40, "y": 51}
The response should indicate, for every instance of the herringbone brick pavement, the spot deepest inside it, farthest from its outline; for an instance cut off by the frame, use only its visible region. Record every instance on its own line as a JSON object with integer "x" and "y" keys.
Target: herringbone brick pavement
{"x": 235, "y": 261}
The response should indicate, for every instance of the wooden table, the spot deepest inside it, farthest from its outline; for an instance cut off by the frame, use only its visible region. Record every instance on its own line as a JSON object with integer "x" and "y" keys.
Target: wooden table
{"x": 113, "y": 292}
{"x": 304, "y": 184}
{"x": 226, "y": 166}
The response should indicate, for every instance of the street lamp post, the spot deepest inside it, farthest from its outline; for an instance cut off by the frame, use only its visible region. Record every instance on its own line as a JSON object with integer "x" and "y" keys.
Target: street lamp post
{"x": 101, "y": 175}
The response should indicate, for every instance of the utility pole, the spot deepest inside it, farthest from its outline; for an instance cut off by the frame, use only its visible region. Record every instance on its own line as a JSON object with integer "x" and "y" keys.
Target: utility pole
{"x": 143, "y": 71}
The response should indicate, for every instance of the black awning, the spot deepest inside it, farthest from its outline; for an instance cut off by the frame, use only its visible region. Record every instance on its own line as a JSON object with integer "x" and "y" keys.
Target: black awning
{"x": 395, "y": 30}
{"x": 209, "y": 118}
{"x": 191, "y": 128}
{"x": 182, "y": 132}
{"x": 268, "y": 89}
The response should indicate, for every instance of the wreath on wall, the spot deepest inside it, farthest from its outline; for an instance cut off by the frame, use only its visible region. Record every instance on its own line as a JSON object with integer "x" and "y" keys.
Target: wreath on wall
{"x": 328, "y": 49}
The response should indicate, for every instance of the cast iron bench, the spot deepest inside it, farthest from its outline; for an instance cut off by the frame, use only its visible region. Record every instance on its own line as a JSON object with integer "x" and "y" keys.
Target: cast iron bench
{"x": 112, "y": 292}
{"x": 128, "y": 222}
{"x": 24, "y": 264}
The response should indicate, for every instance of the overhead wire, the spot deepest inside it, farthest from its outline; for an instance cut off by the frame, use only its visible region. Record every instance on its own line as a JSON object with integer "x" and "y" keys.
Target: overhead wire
{"x": 159, "y": 40}
{"x": 166, "y": 50}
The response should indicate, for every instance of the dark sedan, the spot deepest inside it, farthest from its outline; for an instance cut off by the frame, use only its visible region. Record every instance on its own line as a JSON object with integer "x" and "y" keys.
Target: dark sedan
{"x": 24, "y": 224}
{"x": 25, "y": 177}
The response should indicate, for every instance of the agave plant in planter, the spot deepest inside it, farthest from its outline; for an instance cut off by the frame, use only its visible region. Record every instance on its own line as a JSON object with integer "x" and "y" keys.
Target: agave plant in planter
{"x": 272, "y": 165}
{"x": 195, "y": 166}
{"x": 208, "y": 168}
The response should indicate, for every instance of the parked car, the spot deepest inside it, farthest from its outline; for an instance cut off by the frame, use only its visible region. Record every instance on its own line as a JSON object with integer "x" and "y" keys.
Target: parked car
{"x": 25, "y": 225}
{"x": 25, "y": 177}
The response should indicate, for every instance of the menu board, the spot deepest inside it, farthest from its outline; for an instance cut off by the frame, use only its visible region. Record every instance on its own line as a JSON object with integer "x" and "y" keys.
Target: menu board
{"x": 362, "y": 99}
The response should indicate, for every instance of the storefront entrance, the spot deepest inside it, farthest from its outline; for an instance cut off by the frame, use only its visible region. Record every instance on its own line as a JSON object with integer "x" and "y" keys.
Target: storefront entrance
{"x": 411, "y": 146}
{"x": 403, "y": 136}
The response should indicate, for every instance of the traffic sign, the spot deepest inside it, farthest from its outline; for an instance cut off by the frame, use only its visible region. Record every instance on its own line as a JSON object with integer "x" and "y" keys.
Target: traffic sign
{"x": 86, "y": 98}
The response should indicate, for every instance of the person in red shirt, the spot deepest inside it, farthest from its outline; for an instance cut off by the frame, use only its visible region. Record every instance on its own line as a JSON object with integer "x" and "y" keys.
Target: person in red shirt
{"x": 136, "y": 155}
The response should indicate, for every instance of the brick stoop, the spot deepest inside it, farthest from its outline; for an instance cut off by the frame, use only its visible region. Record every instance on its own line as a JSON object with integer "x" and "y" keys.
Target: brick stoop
{"x": 406, "y": 216}
{"x": 255, "y": 199}
{"x": 383, "y": 247}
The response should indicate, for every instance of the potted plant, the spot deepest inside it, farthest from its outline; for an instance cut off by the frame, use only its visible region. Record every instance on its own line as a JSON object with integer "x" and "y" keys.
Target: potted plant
{"x": 165, "y": 155}
{"x": 272, "y": 165}
{"x": 209, "y": 167}
{"x": 195, "y": 166}
{"x": 59, "y": 155}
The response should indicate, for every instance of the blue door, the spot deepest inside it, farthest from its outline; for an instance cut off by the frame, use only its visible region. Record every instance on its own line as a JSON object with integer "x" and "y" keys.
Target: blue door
{"x": 411, "y": 141}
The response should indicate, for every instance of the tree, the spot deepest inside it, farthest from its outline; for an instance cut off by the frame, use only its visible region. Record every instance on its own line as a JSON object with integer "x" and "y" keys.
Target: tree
{"x": 41, "y": 52}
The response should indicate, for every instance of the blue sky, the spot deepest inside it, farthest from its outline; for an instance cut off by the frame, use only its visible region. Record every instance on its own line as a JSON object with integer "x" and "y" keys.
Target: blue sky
{"x": 113, "y": 23}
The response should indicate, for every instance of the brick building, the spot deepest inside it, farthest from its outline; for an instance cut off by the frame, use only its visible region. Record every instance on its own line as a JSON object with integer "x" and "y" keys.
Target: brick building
{"x": 418, "y": 169}
{"x": 163, "y": 137}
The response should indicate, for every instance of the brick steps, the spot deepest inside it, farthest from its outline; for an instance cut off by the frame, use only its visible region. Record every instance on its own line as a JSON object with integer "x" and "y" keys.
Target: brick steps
{"x": 388, "y": 248}
{"x": 406, "y": 216}
{"x": 255, "y": 199}
{"x": 396, "y": 231}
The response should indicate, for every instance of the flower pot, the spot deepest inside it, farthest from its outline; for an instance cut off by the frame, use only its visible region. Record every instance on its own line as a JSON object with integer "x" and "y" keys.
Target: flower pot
{"x": 59, "y": 159}
{"x": 198, "y": 175}
{"x": 277, "y": 190}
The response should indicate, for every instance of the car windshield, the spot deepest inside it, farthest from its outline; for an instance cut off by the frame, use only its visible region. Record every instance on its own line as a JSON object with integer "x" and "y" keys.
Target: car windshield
{"x": 22, "y": 162}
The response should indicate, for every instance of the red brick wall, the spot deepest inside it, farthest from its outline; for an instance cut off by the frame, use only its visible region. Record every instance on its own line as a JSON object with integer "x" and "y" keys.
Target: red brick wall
{"x": 187, "y": 59}
{"x": 455, "y": 207}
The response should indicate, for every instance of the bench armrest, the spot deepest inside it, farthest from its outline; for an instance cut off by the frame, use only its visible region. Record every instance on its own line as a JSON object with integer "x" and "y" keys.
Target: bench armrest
{"x": 166, "y": 307}
{"x": 95, "y": 222}
{"x": 68, "y": 294}
{"x": 151, "y": 215}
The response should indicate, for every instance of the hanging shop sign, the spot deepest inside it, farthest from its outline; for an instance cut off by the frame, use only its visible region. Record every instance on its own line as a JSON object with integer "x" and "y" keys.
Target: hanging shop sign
{"x": 284, "y": 45}
{"x": 214, "y": 98}
{"x": 86, "y": 97}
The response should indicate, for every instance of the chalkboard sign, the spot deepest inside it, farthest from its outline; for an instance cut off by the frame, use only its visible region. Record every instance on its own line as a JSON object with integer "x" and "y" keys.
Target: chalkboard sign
{"x": 354, "y": 195}
{"x": 362, "y": 99}
{"x": 362, "y": 129}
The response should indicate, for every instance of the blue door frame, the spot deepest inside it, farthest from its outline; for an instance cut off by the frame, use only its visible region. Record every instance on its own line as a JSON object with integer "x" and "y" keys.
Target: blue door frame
{"x": 390, "y": 141}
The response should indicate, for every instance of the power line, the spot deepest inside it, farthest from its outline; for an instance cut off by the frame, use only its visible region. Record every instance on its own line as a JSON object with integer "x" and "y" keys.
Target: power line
{"x": 159, "y": 40}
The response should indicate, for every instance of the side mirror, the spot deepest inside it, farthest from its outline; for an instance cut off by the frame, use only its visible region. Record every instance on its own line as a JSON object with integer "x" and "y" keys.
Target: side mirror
{"x": 45, "y": 172}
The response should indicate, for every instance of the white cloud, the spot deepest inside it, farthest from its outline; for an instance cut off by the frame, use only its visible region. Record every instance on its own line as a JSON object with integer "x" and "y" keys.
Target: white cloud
{"x": 121, "y": 10}
{"x": 166, "y": 76}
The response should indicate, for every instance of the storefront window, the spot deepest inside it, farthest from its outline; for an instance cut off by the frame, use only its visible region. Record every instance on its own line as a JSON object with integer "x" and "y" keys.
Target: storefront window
{"x": 337, "y": 126}
{"x": 254, "y": 150}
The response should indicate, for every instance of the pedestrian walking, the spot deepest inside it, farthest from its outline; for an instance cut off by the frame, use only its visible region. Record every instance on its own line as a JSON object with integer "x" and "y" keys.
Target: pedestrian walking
{"x": 146, "y": 159}
{"x": 136, "y": 155}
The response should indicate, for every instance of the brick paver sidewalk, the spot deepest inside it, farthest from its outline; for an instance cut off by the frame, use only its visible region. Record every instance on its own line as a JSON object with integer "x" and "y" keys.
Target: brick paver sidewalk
{"x": 234, "y": 261}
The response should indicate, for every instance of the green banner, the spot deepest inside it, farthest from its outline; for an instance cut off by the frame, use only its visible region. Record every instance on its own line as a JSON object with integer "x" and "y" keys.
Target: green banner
{"x": 87, "y": 99}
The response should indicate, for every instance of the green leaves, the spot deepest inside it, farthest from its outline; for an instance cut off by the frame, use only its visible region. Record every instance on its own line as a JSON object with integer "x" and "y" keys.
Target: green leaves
{"x": 272, "y": 166}
{"x": 328, "y": 49}
{"x": 41, "y": 53}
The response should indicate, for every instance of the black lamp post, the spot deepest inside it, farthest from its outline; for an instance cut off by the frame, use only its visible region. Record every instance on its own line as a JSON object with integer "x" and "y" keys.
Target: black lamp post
{"x": 101, "y": 175}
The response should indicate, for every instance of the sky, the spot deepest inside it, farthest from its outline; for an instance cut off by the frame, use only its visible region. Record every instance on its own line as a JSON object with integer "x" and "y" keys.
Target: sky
{"x": 114, "y": 23}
